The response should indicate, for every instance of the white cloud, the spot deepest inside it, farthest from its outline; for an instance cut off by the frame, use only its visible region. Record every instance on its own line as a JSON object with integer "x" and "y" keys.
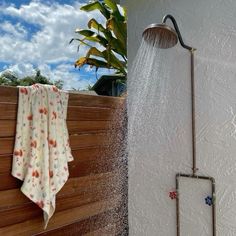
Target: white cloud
{"x": 17, "y": 30}
{"x": 50, "y": 44}
{"x": 22, "y": 70}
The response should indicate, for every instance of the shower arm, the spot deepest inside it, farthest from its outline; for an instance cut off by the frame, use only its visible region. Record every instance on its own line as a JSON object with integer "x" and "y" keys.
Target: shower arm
{"x": 177, "y": 31}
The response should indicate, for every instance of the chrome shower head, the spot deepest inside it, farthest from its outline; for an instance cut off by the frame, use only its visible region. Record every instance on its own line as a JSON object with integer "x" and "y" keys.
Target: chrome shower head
{"x": 160, "y": 35}
{"x": 163, "y": 36}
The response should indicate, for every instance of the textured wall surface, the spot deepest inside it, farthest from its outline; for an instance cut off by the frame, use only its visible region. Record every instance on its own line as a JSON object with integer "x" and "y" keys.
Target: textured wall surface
{"x": 210, "y": 27}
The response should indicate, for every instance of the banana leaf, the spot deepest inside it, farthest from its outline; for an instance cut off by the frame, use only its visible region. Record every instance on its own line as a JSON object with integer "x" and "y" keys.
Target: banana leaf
{"x": 96, "y": 6}
{"x": 115, "y": 10}
{"x": 100, "y": 28}
{"x": 92, "y": 62}
{"x": 112, "y": 37}
{"x": 81, "y": 42}
{"x": 85, "y": 32}
{"x": 107, "y": 55}
{"x": 119, "y": 29}
{"x": 118, "y": 47}
{"x": 95, "y": 52}
{"x": 95, "y": 25}
{"x": 98, "y": 39}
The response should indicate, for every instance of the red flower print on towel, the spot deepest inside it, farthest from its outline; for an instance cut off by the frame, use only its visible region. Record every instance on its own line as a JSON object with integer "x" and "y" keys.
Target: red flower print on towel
{"x": 51, "y": 173}
{"x": 43, "y": 111}
{"x": 52, "y": 142}
{"x": 55, "y": 89}
{"x": 24, "y": 90}
{"x": 33, "y": 144}
{"x": 18, "y": 153}
{"x": 40, "y": 204}
{"x": 54, "y": 114}
{"x": 30, "y": 117}
{"x": 35, "y": 174}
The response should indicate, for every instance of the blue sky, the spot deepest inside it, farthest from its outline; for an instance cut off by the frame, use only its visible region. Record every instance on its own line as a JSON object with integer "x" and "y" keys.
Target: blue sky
{"x": 35, "y": 34}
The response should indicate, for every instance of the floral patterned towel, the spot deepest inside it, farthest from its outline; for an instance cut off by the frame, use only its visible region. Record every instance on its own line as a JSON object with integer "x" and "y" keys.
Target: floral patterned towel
{"x": 42, "y": 150}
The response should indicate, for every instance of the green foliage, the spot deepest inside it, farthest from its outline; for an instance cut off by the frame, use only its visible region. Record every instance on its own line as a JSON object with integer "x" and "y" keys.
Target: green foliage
{"x": 8, "y": 78}
{"x": 106, "y": 44}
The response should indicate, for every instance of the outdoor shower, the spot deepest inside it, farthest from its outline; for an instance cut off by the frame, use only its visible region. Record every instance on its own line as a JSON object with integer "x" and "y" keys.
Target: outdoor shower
{"x": 163, "y": 36}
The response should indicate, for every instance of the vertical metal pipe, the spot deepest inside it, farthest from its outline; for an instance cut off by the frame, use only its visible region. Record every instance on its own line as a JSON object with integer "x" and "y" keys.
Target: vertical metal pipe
{"x": 194, "y": 169}
{"x": 213, "y": 206}
{"x": 177, "y": 205}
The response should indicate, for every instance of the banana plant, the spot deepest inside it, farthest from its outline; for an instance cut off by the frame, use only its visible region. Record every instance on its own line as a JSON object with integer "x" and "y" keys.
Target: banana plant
{"x": 105, "y": 43}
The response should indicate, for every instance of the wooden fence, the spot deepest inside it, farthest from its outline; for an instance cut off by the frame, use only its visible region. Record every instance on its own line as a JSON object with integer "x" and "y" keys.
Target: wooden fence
{"x": 94, "y": 199}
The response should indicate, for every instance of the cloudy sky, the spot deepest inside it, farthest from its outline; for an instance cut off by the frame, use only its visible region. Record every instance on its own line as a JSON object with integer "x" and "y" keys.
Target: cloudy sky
{"x": 36, "y": 34}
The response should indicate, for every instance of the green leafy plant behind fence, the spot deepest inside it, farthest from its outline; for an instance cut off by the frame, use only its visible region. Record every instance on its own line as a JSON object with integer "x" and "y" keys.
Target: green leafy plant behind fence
{"x": 106, "y": 43}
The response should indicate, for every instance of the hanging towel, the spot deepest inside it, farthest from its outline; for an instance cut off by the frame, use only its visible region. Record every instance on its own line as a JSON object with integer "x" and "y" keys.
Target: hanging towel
{"x": 42, "y": 151}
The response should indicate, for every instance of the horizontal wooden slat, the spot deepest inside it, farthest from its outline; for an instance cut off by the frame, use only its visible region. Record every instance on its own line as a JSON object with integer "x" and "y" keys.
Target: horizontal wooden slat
{"x": 83, "y": 154}
{"x": 62, "y": 218}
{"x": 95, "y": 101}
{"x": 89, "y": 140}
{"x": 89, "y": 113}
{"x": 76, "y": 142}
{"x": 5, "y": 164}
{"x": 94, "y": 167}
{"x": 14, "y": 197}
{"x": 8, "y": 111}
{"x": 25, "y": 212}
{"x": 94, "y": 223}
{"x": 6, "y": 145}
{"x": 77, "y": 113}
{"x": 10, "y": 182}
{"x": 77, "y": 127}
{"x": 110, "y": 229}
{"x": 8, "y": 127}
{"x": 10, "y": 94}
{"x": 78, "y": 169}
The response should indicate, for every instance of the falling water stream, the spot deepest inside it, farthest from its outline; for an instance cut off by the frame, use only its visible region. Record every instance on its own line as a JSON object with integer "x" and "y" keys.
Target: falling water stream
{"x": 147, "y": 99}
{"x": 148, "y": 91}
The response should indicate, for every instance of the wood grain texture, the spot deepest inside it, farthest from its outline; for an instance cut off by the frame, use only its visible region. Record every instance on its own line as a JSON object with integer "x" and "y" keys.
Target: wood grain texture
{"x": 82, "y": 154}
{"x": 90, "y": 202}
{"x": 78, "y": 170}
{"x": 61, "y": 218}
{"x": 8, "y": 127}
{"x": 10, "y": 95}
{"x": 30, "y": 210}
{"x": 83, "y": 140}
{"x": 76, "y": 113}
{"x": 91, "y": 225}
{"x": 78, "y": 185}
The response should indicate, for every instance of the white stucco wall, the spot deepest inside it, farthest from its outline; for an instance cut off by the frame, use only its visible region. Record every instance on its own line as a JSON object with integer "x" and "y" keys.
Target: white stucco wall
{"x": 209, "y": 26}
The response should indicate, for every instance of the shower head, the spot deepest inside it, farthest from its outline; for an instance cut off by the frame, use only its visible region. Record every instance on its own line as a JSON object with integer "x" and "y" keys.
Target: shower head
{"x": 163, "y": 36}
